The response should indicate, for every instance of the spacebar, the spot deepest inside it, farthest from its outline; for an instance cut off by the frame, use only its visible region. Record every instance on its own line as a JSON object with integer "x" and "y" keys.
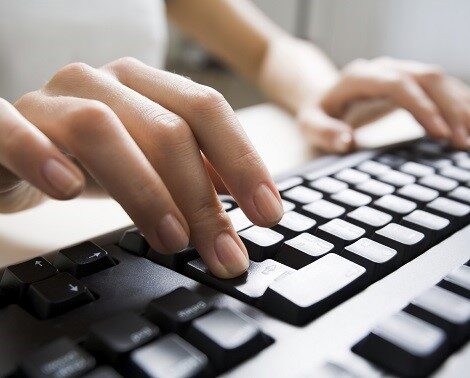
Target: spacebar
{"x": 307, "y": 293}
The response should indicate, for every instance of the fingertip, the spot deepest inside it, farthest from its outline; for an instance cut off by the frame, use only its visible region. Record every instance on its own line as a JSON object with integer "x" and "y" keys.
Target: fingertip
{"x": 268, "y": 204}
{"x": 66, "y": 182}
{"x": 342, "y": 142}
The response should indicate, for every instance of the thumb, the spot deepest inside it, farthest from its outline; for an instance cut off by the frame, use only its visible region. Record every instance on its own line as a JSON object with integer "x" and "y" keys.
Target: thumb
{"x": 325, "y": 132}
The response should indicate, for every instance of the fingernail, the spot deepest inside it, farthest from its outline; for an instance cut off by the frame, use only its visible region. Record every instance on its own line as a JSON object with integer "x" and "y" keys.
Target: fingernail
{"x": 172, "y": 234}
{"x": 61, "y": 178}
{"x": 230, "y": 255}
{"x": 267, "y": 204}
{"x": 342, "y": 142}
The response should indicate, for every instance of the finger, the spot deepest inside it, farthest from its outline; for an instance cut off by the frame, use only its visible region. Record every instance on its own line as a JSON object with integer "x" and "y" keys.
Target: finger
{"x": 31, "y": 156}
{"x": 218, "y": 133}
{"x": 215, "y": 178}
{"x": 92, "y": 133}
{"x": 325, "y": 132}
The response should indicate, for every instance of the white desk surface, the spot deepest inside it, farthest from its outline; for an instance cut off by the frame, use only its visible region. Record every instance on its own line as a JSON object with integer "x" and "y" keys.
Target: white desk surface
{"x": 54, "y": 224}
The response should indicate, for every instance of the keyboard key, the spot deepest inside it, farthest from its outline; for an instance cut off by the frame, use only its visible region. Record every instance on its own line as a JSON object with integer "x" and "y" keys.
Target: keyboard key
{"x": 432, "y": 226}
{"x": 376, "y": 188}
{"x": 304, "y": 294}
{"x": 324, "y": 211}
{"x": 444, "y": 309}
{"x": 417, "y": 169}
{"x": 443, "y": 184}
{"x": 59, "y": 358}
{"x": 350, "y": 198}
{"x": 373, "y": 167}
{"x": 174, "y": 311}
{"x": 454, "y": 210}
{"x": 393, "y": 161}
{"x": 369, "y": 218}
{"x": 303, "y": 250}
{"x": 302, "y": 195}
{"x": 418, "y": 193}
{"x": 227, "y": 337}
{"x": 396, "y": 178}
{"x": 113, "y": 338}
{"x": 103, "y": 372}
{"x": 248, "y": 287}
{"x": 293, "y": 223}
{"x": 289, "y": 183}
{"x": 455, "y": 173}
{"x": 461, "y": 193}
{"x": 227, "y": 205}
{"x": 328, "y": 185}
{"x": 394, "y": 205}
{"x": 437, "y": 163}
{"x": 287, "y": 206}
{"x": 458, "y": 281}
{"x": 17, "y": 278}
{"x": 352, "y": 176}
{"x": 83, "y": 259}
{"x": 463, "y": 163}
{"x": 378, "y": 259}
{"x": 169, "y": 357}
{"x": 404, "y": 240}
{"x": 134, "y": 242}
{"x": 261, "y": 242}
{"x": 340, "y": 232}
{"x": 57, "y": 295}
{"x": 239, "y": 219}
{"x": 404, "y": 345}
{"x": 174, "y": 261}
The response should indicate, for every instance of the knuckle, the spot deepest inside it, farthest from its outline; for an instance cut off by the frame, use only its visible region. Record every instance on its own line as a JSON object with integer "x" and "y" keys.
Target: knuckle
{"x": 172, "y": 129}
{"x": 354, "y": 66}
{"x": 209, "y": 216}
{"x": 126, "y": 62}
{"x": 204, "y": 99}
{"x": 432, "y": 73}
{"x": 120, "y": 67}
{"x": 71, "y": 73}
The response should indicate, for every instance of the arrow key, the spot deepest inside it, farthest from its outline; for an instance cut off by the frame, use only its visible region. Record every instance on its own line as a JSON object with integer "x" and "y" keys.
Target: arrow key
{"x": 57, "y": 295}
{"x": 83, "y": 259}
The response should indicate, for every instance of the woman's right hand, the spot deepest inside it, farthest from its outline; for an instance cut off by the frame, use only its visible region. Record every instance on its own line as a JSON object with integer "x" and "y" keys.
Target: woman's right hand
{"x": 155, "y": 141}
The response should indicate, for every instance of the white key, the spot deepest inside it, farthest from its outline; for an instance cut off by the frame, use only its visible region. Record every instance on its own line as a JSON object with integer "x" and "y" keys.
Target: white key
{"x": 370, "y": 216}
{"x": 302, "y": 194}
{"x": 397, "y": 178}
{"x": 342, "y": 229}
{"x": 239, "y": 219}
{"x": 261, "y": 236}
{"x": 427, "y": 220}
{"x": 328, "y": 185}
{"x": 395, "y": 204}
{"x": 287, "y": 206}
{"x": 401, "y": 234}
{"x": 296, "y": 222}
{"x": 455, "y": 173}
{"x": 324, "y": 209}
{"x": 351, "y": 198}
{"x": 373, "y": 167}
{"x": 461, "y": 193}
{"x": 289, "y": 183}
{"x": 448, "y": 206}
{"x": 372, "y": 250}
{"x": 418, "y": 192}
{"x": 417, "y": 169}
{"x": 439, "y": 182}
{"x": 460, "y": 276}
{"x": 377, "y": 188}
{"x": 310, "y": 244}
{"x": 352, "y": 176}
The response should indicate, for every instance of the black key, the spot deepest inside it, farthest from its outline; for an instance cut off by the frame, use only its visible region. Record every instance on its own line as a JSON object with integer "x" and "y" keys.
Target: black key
{"x": 57, "y": 295}
{"x": 458, "y": 281}
{"x": 395, "y": 206}
{"x": 261, "y": 243}
{"x": 369, "y": 218}
{"x": 378, "y": 259}
{"x": 293, "y": 223}
{"x": 303, "y": 250}
{"x": 248, "y": 287}
{"x": 328, "y": 185}
{"x": 60, "y": 358}
{"x": 83, "y": 259}
{"x": 351, "y": 199}
{"x": 404, "y": 345}
{"x": 174, "y": 311}
{"x": 461, "y": 193}
{"x": 103, "y": 372}
{"x": 417, "y": 169}
{"x": 309, "y": 292}
{"x": 169, "y": 357}
{"x": 406, "y": 241}
{"x": 17, "y": 278}
{"x": 339, "y": 233}
{"x": 373, "y": 167}
{"x": 134, "y": 242}
{"x": 4, "y": 300}
{"x": 115, "y": 337}
{"x": 227, "y": 337}
{"x": 289, "y": 183}
{"x": 375, "y": 188}
{"x": 455, "y": 211}
{"x": 173, "y": 261}
{"x": 418, "y": 193}
{"x": 441, "y": 183}
{"x": 302, "y": 194}
{"x": 323, "y": 211}
{"x": 393, "y": 161}
{"x": 434, "y": 227}
{"x": 444, "y": 309}
{"x": 396, "y": 178}
{"x": 455, "y": 173}
{"x": 352, "y": 176}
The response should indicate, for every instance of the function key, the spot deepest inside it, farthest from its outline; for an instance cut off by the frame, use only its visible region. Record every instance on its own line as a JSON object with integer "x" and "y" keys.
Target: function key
{"x": 328, "y": 185}
{"x": 309, "y": 292}
{"x": 171, "y": 356}
{"x": 455, "y": 173}
{"x": 417, "y": 169}
{"x": 83, "y": 259}
{"x": 373, "y": 167}
{"x": 57, "y": 295}
{"x": 302, "y": 194}
{"x": 393, "y": 161}
{"x": 376, "y": 188}
{"x": 461, "y": 193}
{"x": 289, "y": 183}
{"x": 396, "y": 178}
{"x": 418, "y": 193}
{"x": 293, "y": 223}
{"x": 443, "y": 184}
{"x": 17, "y": 278}
{"x": 174, "y": 311}
{"x": 403, "y": 239}
{"x": 449, "y": 208}
{"x": 239, "y": 219}
{"x": 395, "y": 205}
{"x": 261, "y": 242}
{"x": 404, "y": 345}
{"x": 324, "y": 211}
{"x": 458, "y": 281}
{"x": 350, "y": 198}
{"x": 352, "y": 176}
{"x": 116, "y": 336}
{"x": 340, "y": 232}
{"x": 369, "y": 217}
{"x": 133, "y": 241}
{"x": 227, "y": 337}
{"x": 303, "y": 250}
{"x": 174, "y": 261}
{"x": 59, "y": 358}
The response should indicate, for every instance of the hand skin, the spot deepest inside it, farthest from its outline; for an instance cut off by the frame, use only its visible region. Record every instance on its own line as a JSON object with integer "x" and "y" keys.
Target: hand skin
{"x": 298, "y": 76}
{"x": 154, "y": 141}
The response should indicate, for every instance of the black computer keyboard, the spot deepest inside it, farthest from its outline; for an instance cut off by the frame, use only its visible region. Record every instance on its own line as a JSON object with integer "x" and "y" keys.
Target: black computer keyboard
{"x": 124, "y": 309}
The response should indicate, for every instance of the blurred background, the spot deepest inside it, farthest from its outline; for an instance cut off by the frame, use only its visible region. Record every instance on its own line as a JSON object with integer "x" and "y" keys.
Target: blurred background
{"x": 433, "y": 31}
